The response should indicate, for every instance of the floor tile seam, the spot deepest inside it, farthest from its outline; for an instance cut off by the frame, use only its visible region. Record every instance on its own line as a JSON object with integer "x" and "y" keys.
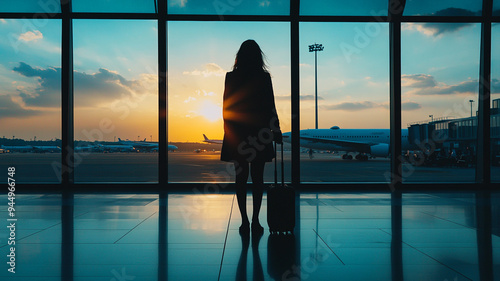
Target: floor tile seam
{"x": 445, "y": 265}
{"x": 20, "y": 239}
{"x": 135, "y": 227}
{"x": 328, "y": 246}
{"x": 466, "y": 226}
{"x": 225, "y": 239}
{"x": 429, "y": 256}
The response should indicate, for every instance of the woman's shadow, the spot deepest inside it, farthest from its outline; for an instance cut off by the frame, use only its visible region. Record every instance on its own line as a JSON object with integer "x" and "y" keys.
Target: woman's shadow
{"x": 281, "y": 258}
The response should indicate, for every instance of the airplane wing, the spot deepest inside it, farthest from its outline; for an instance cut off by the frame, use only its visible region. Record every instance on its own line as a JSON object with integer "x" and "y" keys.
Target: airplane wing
{"x": 358, "y": 146}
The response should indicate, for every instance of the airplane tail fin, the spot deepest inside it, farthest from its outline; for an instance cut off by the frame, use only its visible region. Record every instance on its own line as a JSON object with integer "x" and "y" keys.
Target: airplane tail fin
{"x": 144, "y": 139}
{"x": 205, "y": 137}
{"x": 119, "y": 139}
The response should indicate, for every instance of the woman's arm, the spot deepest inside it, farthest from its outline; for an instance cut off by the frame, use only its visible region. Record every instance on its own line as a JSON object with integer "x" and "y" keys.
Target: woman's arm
{"x": 274, "y": 122}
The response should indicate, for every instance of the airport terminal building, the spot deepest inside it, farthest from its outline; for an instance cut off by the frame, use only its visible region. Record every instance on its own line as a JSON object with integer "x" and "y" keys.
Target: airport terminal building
{"x": 111, "y": 124}
{"x": 457, "y": 135}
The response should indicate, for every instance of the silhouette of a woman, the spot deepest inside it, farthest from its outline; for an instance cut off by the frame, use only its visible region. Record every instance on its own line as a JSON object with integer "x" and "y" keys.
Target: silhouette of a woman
{"x": 250, "y": 126}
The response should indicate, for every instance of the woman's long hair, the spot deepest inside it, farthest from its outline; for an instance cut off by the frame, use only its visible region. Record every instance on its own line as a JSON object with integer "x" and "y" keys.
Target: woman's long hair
{"x": 250, "y": 58}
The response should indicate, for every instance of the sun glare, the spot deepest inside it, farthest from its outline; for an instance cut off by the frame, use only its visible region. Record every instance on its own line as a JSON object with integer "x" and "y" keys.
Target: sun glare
{"x": 210, "y": 111}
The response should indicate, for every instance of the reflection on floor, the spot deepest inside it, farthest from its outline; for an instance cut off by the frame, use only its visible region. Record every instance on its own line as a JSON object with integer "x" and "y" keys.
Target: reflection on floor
{"x": 338, "y": 237}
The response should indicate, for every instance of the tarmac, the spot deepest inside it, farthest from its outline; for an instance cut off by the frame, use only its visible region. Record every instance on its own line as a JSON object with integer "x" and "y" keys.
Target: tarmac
{"x": 189, "y": 166}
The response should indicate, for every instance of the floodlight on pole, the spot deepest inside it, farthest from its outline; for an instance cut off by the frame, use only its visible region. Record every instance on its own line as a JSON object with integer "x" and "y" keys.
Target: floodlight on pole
{"x": 316, "y": 48}
{"x": 432, "y": 117}
{"x": 471, "y": 101}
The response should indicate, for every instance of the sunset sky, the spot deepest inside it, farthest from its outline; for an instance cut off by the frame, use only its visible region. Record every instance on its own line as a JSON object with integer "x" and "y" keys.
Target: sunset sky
{"x": 116, "y": 75}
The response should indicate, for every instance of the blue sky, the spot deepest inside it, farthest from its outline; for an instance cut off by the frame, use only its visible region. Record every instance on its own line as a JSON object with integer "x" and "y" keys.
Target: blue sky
{"x": 353, "y": 74}
{"x": 233, "y": 7}
{"x": 37, "y": 44}
{"x": 116, "y": 69}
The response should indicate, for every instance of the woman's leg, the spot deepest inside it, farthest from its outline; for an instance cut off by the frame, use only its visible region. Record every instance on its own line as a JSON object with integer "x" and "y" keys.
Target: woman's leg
{"x": 257, "y": 171}
{"x": 241, "y": 168}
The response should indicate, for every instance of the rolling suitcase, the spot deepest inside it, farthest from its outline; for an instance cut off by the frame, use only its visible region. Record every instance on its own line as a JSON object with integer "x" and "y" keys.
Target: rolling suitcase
{"x": 280, "y": 202}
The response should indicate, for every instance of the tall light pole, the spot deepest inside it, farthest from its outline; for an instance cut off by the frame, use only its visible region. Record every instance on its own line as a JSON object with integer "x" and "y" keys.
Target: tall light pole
{"x": 316, "y": 48}
{"x": 432, "y": 117}
{"x": 471, "y": 101}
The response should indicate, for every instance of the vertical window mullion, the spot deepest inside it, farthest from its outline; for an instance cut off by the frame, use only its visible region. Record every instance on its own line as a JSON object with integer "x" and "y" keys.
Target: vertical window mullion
{"x": 295, "y": 87}
{"x": 162, "y": 95}
{"x": 67, "y": 151}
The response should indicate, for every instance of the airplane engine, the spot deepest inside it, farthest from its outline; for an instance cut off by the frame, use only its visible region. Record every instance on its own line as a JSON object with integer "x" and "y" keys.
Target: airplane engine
{"x": 379, "y": 150}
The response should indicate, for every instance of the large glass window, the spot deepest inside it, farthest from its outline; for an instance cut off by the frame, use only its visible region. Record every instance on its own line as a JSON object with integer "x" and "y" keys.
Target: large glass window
{"x": 353, "y": 102}
{"x": 440, "y": 66}
{"x": 116, "y": 100}
{"x": 197, "y": 67}
{"x": 30, "y": 99}
{"x": 344, "y": 88}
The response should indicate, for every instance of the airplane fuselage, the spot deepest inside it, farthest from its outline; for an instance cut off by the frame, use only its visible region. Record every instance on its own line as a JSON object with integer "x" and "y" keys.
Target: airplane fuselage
{"x": 349, "y": 140}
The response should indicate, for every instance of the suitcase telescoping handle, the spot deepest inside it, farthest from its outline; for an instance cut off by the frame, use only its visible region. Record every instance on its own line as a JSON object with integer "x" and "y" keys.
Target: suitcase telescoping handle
{"x": 276, "y": 166}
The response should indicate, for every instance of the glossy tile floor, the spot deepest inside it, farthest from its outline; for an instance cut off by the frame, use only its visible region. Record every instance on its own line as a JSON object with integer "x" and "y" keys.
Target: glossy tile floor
{"x": 339, "y": 236}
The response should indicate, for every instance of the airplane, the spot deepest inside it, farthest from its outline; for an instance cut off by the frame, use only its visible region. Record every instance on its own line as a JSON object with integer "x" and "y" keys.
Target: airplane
{"x": 373, "y": 142}
{"x": 46, "y": 148}
{"x": 140, "y": 144}
{"x": 211, "y": 141}
{"x": 88, "y": 148}
{"x": 116, "y": 148}
{"x": 144, "y": 145}
{"x": 170, "y": 147}
{"x": 17, "y": 148}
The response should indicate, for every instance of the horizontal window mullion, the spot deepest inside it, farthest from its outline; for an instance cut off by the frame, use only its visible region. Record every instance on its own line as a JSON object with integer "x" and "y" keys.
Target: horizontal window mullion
{"x": 140, "y": 16}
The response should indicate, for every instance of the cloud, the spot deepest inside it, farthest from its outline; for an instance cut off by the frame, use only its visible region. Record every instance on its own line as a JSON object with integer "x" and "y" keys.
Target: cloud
{"x": 362, "y": 105}
{"x": 495, "y": 86}
{"x": 9, "y": 108}
{"x": 423, "y": 85}
{"x": 418, "y": 80}
{"x": 31, "y": 36}
{"x": 448, "y": 12}
{"x": 180, "y": 3}
{"x": 265, "y": 3}
{"x": 209, "y": 70}
{"x": 437, "y": 29}
{"x": 410, "y": 105}
{"x": 353, "y": 106}
{"x": 302, "y": 97}
{"x": 104, "y": 86}
{"x": 189, "y": 99}
{"x": 48, "y": 91}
